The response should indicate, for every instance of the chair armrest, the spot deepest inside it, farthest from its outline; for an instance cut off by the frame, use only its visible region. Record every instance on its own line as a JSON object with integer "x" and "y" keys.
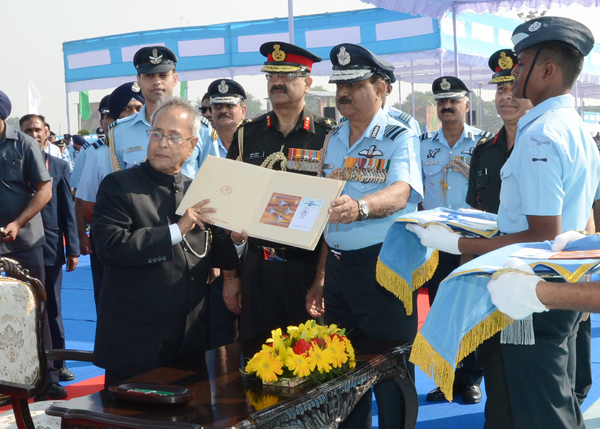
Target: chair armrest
{"x": 17, "y": 390}
{"x": 78, "y": 355}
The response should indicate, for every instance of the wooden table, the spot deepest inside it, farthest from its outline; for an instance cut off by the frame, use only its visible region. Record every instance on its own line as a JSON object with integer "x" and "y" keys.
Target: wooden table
{"x": 224, "y": 398}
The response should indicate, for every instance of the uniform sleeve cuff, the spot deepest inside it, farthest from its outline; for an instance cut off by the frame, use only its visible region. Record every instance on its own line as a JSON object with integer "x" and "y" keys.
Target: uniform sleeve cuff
{"x": 176, "y": 236}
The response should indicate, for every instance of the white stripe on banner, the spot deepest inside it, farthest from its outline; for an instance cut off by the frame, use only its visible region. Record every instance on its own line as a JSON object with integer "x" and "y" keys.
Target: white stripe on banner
{"x": 403, "y": 29}
{"x": 332, "y": 37}
{"x": 201, "y": 47}
{"x": 88, "y": 59}
{"x": 483, "y": 32}
{"x": 252, "y": 43}
{"x": 446, "y": 23}
{"x": 505, "y": 37}
{"x": 128, "y": 52}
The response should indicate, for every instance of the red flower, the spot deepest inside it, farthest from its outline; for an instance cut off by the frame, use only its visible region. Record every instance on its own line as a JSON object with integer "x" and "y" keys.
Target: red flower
{"x": 301, "y": 347}
{"x": 342, "y": 339}
{"x": 319, "y": 342}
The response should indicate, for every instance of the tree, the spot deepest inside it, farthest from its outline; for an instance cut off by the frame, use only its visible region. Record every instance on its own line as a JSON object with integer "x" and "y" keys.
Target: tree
{"x": 83, "y": 132}
{"x": 254, "y": 107}
{"x": 13, "y": 122}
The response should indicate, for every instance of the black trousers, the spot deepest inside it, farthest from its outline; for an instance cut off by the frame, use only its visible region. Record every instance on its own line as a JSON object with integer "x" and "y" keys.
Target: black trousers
{"x": 541, "y": 377}
{"x": 583, "y": 369}
{"x": 355, "y": 301}
{"x": 221, "y": 323}
{"x": 97, "y": 272}
{"x": 54, "y": 275}
{"x": 469, "y": 371}
{"x": 274, "y": 293}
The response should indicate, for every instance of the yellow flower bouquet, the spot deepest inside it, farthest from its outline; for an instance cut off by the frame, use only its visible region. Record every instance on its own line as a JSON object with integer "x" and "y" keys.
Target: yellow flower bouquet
{"x": 307, "y": 351}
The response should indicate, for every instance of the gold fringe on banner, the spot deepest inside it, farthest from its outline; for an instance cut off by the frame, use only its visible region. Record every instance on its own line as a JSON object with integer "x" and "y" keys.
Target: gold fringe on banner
{"x": 432, "y": 364}
{"x": 442, "y": 372}
{"x": 391, "y": 281}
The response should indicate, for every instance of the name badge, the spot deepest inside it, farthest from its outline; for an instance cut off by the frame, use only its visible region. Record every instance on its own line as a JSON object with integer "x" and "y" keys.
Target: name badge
{"x": 431, "y": 162}
{"x": 134, "y": 149}
{"x": 254, "y": 155}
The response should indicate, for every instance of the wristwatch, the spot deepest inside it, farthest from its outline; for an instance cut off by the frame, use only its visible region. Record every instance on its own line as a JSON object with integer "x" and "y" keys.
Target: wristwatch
{"x": 363, "y": 209}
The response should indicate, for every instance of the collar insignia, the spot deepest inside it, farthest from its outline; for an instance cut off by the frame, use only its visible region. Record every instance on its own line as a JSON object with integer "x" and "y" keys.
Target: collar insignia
{"x": 135, "y": 87}
{"x": 505, "y": 62}
{"x": 269, "y": 121}
{"x": 223, "y": 87}
{"x": 278, "y": 54}
{"x": 535, "y": 26}
{"x": 307, "y": 123}
{"x": 433, "y": 152}
{"x": 371, "y": 152}
{"x": 445, "y": 85}
{"x": 155, "y": 58}
{"x": 343, "y": 57}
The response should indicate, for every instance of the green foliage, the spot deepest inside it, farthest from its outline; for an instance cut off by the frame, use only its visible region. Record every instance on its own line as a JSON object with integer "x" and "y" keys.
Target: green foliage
{"x": 13, "y": 122}
{"x": 83, "y": 132}
{"x": 254, "y": 106}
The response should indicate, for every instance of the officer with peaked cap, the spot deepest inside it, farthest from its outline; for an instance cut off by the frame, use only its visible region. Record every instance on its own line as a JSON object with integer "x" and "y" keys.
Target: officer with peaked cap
{"x": 226, "y": 98}
{"x": 483, "y": 193}
{"x": 445, "y": 158}
{"x": 288, "y": 133}
{"x": 373, "y": 197}
{"x": 549, "y": 184}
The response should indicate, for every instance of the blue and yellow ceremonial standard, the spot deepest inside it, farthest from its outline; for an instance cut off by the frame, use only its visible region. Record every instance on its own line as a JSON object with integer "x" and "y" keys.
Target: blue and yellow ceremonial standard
{"x": 463, "y": 316}
{"x": 405, "y": 264}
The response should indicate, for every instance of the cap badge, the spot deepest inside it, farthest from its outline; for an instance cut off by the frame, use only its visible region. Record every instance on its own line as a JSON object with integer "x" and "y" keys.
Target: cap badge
{"x": 278, "y": 54}
{"x": 505, "y": 62}
{"x": 343, "y": 57}
{"x": 445, "y": 85}
{"x": 135, "y": 87}
{"x": 535, "y": 26}
{"x": 223, "y": 87}
{"x": 155, "y": 58}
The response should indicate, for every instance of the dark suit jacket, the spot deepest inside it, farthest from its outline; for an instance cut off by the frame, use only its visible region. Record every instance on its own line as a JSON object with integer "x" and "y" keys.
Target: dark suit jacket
{"x": 150, "y": 286}
{"x": 58, "y": 216}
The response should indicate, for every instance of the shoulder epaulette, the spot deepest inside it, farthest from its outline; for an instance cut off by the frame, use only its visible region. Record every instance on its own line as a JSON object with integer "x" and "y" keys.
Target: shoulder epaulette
{"x": 328, "y": 122}
{"x": 204, "y": 121}
{"x": 120, "y": 121}
{"x": 486, "y": 137}
{"x": 97, "y": 143}
{"x": 245, "y": 122}
{"x": 336, "y": 129}
{"x": 393, "y": 131}
{"x": 86, "y": 145}
{"x": 427, "y": 136}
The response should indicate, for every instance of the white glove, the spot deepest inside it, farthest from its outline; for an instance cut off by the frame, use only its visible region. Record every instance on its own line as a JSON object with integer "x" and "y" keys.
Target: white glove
{"x": 514, "y": 293}
{"x": 437, "y": 237}
{"x": 561, "y": 240}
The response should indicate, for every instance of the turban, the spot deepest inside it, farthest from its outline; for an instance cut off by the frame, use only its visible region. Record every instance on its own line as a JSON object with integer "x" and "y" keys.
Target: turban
{"x": 5, "y": 106}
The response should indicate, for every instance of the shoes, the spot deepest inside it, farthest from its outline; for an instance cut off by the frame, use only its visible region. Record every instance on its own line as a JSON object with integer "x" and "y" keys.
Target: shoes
{"x": 65, "y": 375}
{"x": 470, "y": 395}
{"x": 435, "y": 395}
{"x": 54, "y": 391}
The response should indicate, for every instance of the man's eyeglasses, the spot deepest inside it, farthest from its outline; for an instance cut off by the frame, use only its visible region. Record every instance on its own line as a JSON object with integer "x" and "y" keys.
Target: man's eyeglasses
{"x": 174, "y": 139}
{"x": 205, "y": 109}
{"x": 284, "y": 76}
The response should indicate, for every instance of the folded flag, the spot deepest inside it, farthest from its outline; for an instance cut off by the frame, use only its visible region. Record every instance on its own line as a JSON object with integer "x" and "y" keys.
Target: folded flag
{"x": 405, "y": 264}
{"x": 463, "y": 316}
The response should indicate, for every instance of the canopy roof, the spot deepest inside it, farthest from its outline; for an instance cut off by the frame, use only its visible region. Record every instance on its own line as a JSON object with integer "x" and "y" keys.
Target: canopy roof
{"x": 415, "y": 44}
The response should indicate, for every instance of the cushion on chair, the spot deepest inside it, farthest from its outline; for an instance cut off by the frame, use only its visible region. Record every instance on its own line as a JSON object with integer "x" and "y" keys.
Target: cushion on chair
{"x": 19, "y": 362}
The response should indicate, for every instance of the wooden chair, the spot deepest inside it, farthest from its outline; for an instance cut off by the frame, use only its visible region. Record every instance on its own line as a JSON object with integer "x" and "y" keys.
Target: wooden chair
{"x": 23, "y": 368}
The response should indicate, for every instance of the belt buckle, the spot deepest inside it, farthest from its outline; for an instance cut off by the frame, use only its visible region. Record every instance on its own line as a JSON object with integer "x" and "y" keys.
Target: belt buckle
{"x": 270, "y": 254}
{"x": 337, "y": 255}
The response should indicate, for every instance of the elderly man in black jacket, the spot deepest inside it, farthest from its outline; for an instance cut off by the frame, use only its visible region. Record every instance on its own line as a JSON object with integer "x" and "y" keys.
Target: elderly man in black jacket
{"x": 156, "y": 263}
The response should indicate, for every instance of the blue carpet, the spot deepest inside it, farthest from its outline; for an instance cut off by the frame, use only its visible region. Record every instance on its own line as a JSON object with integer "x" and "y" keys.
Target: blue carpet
{"x": 79, "y": 316}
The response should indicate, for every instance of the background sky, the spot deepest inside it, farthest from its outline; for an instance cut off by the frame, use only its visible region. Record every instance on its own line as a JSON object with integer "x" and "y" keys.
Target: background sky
{"x": 32, "y": 33}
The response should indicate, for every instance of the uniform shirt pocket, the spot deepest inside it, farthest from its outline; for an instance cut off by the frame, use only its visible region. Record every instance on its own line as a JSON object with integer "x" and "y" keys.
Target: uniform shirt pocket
{"x": 481, "y": 182}
{"x": 12, "y": 170}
